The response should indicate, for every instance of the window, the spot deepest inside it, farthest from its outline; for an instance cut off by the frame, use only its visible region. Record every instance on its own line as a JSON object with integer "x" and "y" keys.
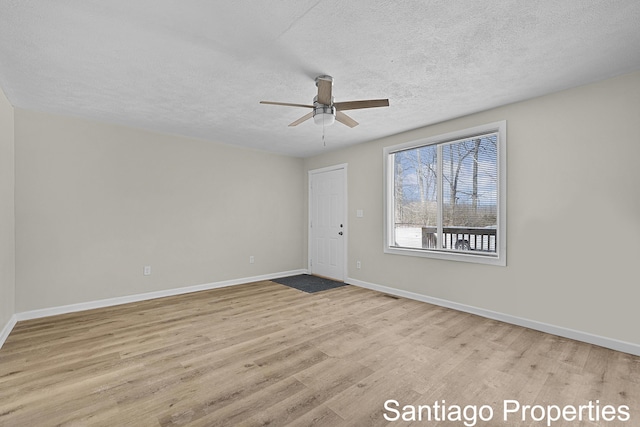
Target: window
{"x": 446, "y": 196}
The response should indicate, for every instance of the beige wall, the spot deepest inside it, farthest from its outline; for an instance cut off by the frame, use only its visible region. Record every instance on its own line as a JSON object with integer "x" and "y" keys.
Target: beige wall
{"x": 7, "y": 221}
{"x": 96, "y": 202}
{"x": 573, "y": 240}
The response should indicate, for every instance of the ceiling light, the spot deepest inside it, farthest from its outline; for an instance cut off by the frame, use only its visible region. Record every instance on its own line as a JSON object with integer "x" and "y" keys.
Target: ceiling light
{"x": 324, "y": 114}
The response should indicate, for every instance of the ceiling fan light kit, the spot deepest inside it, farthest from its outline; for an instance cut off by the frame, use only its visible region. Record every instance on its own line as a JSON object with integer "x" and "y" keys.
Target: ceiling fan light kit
{"x": 323, "y": 114}
{"x": 325, "y": 111}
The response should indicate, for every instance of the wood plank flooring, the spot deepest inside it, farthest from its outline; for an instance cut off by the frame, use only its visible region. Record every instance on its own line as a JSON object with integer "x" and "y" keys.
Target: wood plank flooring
{"x": 264, "y": 354}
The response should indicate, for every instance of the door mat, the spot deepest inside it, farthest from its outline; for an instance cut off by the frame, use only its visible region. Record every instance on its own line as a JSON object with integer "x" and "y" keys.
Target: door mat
{"x": 308, "y": 283}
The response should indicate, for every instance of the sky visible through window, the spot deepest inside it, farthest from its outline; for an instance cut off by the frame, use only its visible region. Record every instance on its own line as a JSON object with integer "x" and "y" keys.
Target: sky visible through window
{"x": 468, "y": 182}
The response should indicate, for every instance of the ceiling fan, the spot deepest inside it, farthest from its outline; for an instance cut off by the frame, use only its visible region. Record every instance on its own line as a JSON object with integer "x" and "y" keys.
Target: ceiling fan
{"x": 325, "y": 111}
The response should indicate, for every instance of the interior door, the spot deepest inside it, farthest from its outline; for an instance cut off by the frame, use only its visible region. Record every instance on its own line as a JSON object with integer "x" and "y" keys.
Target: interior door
{"x": 327, "y": 228}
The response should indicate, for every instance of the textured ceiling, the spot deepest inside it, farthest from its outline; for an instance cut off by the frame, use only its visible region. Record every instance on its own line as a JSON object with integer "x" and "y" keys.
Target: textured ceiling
{"x": 199, "y": 68}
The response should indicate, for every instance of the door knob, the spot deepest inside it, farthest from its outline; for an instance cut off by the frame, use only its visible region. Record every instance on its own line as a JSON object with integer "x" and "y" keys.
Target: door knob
{"x": 340, "y": 233}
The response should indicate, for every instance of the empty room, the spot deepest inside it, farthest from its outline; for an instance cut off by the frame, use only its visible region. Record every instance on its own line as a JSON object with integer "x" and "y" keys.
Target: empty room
{"x": 319, "y": 212}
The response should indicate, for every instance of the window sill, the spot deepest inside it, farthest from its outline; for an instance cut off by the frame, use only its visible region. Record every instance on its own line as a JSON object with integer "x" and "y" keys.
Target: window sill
{"x": 478, "y": 258}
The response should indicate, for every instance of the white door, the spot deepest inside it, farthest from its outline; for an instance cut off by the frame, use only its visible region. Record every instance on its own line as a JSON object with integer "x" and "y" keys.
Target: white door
{"x": 327, "y": 228}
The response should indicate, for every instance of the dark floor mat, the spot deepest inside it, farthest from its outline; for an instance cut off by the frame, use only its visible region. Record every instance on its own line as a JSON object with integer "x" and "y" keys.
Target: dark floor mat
{"x": 308, "y": 283}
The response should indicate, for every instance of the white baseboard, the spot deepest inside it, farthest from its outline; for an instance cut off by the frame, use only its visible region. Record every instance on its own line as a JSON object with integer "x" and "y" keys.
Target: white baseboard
{"x": 611, "y": 343}
{"x": 71, "y": 308}
{"x": 7, "y": 329}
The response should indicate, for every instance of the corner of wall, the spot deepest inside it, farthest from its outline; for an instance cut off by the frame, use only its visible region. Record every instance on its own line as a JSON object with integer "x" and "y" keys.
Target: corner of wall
{"x": 7, "y": 218}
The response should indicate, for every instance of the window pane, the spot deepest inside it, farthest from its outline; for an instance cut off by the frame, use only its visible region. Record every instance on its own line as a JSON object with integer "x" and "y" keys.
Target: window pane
{"x": 445, "y": 196}
{"x": 470, "y": 194}
{"x": 415, "y": 195}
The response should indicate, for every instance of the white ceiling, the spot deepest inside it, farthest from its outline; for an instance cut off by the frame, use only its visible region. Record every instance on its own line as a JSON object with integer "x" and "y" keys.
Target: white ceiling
{"x": 199, "y": 68}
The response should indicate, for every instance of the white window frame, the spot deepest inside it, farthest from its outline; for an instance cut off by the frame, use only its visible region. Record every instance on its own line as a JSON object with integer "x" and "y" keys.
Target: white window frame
{"x": 500, "y": 256}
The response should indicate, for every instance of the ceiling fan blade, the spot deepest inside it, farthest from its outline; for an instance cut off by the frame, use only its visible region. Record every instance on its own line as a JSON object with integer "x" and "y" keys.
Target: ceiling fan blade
{"x": 354, "y": 105}
{"x": 345, "y": 120}
{"x": 324, "y": 90}
{"x": 286, "y": 104}
{"x": 302, "y": 119}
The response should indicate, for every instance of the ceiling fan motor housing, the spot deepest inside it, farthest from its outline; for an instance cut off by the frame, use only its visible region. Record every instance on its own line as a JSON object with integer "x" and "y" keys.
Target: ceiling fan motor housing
{"x": 323, "y": 114}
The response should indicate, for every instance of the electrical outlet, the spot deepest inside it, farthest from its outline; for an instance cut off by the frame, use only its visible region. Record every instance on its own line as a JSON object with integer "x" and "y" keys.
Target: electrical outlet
{"x": 147, "y": 270}
{"x": 252, "y": 259}
{"x": 358, "y": 265}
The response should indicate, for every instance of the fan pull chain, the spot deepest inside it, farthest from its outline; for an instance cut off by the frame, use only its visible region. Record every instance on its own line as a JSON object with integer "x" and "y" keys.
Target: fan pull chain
{"x": 324, "y": 143}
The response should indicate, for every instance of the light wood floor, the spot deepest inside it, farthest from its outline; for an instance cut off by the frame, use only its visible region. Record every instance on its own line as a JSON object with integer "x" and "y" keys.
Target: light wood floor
{"x": 266, "y": 354}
